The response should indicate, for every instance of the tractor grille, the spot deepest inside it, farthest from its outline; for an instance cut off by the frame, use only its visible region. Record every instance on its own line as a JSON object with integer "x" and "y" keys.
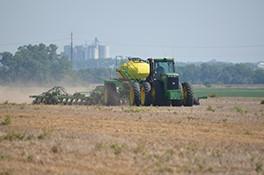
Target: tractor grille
{"x": 173, "y": 83}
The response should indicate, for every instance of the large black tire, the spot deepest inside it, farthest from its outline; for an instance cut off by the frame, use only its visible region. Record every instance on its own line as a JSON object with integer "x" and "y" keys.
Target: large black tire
{"x": 145, "y": 93}
{"x": 187, "y": 94}
{"x": 158, "y": 94}
{"x": 111, "y": 97}
{"x": 134, "y": 94}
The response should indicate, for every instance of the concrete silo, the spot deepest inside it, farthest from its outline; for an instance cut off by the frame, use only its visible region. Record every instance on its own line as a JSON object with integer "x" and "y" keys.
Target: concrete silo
{"x": 103, "y": 51}
{"x": 93, "y": 52}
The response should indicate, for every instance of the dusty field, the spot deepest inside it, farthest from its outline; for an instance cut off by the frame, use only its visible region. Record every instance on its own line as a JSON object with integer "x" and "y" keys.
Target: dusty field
{"x": 222, "y": 136}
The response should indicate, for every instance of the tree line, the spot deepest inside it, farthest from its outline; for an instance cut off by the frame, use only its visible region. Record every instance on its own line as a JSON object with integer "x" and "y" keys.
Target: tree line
{"x": 221, "y": 73}
{"x": 33, "y": 63}
{"x": 41, "y": 64}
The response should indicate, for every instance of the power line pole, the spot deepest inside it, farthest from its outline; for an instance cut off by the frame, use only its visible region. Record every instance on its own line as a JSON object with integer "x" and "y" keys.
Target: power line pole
{"x": 71, "y": 47}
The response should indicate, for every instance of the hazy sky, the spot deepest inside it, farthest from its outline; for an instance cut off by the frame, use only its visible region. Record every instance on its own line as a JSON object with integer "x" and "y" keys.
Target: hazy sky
{"x": 189, "y": 30}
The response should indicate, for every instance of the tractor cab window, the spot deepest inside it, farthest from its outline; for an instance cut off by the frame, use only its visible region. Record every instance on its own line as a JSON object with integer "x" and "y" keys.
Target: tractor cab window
{"x": 163, "y": 67}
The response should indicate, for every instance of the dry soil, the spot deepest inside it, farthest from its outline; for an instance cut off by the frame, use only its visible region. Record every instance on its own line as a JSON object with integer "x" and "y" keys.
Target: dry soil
{"x": 221, "y": 136}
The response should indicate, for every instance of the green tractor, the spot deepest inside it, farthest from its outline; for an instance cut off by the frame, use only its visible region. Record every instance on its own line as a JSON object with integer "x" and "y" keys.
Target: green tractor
{"x": 148, "y": 82}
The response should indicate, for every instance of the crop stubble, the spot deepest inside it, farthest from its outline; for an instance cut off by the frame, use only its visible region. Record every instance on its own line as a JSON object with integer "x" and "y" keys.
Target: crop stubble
{"x": 132, "y": 140}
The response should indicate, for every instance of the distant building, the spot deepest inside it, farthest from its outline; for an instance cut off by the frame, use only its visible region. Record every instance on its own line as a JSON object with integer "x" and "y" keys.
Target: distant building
{"x": 93, "y": 51}
{"x": 103, "y": 51}
{"x": 79, "y": 53}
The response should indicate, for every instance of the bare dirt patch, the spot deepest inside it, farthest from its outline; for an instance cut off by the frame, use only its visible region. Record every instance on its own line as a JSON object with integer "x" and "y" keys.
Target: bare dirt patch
{"x": 222, "y": 136}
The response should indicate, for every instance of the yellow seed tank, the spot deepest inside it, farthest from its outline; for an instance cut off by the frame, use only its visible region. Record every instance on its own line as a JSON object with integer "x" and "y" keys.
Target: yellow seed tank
{"x": 134, "y": 70}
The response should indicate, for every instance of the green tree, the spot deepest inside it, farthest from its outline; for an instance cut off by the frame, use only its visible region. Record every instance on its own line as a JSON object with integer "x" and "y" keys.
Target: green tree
{"x": 259, "y": 76}
{"x": 34, "y": 63}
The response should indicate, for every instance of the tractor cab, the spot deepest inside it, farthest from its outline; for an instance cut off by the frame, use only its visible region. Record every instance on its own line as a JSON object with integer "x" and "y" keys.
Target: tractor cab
{"x": 160, "y": 68}
{"x": 163, "y": 67}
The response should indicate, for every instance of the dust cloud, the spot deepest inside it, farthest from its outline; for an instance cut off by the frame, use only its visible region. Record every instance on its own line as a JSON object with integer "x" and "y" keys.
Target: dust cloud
{"x": 21, "y": 93}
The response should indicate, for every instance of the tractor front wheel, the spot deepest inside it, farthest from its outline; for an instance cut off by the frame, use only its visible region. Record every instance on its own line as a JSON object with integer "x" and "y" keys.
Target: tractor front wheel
{"x": 187, "y": 94}
{"x": 158, "y": 95}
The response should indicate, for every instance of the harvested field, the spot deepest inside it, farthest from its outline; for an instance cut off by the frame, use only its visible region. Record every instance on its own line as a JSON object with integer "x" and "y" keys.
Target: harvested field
{"x": 222, "y": 136}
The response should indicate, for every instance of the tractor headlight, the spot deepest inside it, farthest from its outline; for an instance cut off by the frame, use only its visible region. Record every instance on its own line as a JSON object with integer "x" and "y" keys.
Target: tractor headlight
{"x": 117, "y": 89}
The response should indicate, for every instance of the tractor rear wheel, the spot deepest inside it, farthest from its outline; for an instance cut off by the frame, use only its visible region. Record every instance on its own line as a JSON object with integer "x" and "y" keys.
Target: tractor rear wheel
{"x": 145, "y": 93}
{"x": 187, "y": 94}
{"x": 158, "y": 94}
{"x": 111, "y": 97}
{"x": 134, "y": 94}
